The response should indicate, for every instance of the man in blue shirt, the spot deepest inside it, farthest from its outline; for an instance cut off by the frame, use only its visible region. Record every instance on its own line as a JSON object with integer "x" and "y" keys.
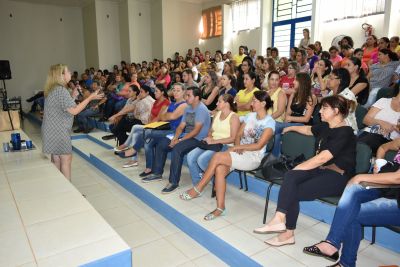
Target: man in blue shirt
{"x": 193, "y": 128}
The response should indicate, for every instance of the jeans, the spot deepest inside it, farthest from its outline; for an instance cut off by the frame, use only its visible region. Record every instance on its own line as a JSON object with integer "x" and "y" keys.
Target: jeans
{"x": 113, "y": 105}
{"x": 151, "y": 140}
{"x": 198, "y": 160}
{"x": 178, "y": 153}
{"x": 307, "y": 185}
{"x": 82, "y": 117}
{"x": 357, "y": 207}
{"x": 372, "y": 97}
{"x": 119, "y": 105}
{"x": 279, "y": 126}
{"x": 135, "y": 138}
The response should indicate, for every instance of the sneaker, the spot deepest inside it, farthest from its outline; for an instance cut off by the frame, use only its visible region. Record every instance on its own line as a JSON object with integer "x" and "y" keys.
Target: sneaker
{"x": 152, "y": 178}
{"x": 144, "y": 174}
{"x": 169, "y": 188}
{"x": 130, "y": 164}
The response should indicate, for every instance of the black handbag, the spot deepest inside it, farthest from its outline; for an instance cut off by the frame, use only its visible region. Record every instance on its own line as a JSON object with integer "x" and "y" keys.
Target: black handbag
{"x": 214, "y": 147}
{"x": 276, "y": 169}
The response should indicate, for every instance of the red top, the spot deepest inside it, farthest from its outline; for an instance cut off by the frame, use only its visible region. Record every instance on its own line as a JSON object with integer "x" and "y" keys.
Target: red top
{"x": 157, "y": 107}
{"x": 286, "y": 79}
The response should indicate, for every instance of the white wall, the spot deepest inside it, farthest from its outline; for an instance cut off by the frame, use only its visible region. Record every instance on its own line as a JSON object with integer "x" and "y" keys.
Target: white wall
{"x": 90, "y": 35}
{"x": 124, "y": 31}
{"x": 180, "y": 26}
{"x": 157, "y": 29}
{"x": 139, "y": 30}
{"x": 35, "y": 38}
{"x": 350, "y": 27}
{"x": 108, "y": 38}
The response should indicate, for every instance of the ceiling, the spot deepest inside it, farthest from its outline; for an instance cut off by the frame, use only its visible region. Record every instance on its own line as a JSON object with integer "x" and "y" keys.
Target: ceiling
{"x": 82, "y": 3}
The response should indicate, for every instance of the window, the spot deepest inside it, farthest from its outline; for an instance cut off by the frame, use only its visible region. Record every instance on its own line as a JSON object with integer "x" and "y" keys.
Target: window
{"x": 289, "y": 19}
{"x": 246, "y": 15}
{"x": 330, "y": 10}
{"x": 211, "y": 23}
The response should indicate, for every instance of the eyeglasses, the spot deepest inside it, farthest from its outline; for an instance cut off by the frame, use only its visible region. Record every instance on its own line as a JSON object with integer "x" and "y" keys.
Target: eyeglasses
{"x": 333, "y": 78}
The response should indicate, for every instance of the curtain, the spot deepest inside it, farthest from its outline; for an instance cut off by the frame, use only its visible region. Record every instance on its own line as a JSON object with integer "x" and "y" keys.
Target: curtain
{"x": 246, "y": 14}
{"x": 344, "y": 9}
{"x": 212, "y": 22}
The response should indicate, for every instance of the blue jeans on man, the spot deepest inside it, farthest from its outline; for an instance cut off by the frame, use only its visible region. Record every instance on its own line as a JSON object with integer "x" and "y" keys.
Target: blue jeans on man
{"x": 178, "y": 152}
{"x": 151, "y": 140}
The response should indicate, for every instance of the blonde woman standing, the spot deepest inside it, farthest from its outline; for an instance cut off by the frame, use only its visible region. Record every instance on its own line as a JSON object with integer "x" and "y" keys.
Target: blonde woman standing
{"x": 59, "y": 111}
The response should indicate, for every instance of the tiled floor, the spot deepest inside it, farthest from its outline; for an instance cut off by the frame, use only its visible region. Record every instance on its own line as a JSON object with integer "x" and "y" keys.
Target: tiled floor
{"x": 149, "y": 234}
{"x": 44, "y": 220}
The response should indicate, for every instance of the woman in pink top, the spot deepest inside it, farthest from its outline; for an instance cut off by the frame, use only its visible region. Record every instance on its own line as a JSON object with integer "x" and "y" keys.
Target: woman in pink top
{"x": 370, "y": 55}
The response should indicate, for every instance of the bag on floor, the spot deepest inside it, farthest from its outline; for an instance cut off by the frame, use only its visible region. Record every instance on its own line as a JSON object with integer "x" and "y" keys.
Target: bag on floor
{"x": 5, "y": 124}
{"x": 277, "y": 168}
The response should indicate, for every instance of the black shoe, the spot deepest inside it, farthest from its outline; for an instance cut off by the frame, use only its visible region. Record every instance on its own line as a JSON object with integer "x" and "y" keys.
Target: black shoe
{"x": 108, "y": 137}
{"x": 152, "y": 178}
{"x": 169, "y": 188}
{"x": 88, "y": 130}
{"x": 122, "y": 155}
{"x": 79, "y": 130}
{"x": 315, "y": 251}
{"x": 144, "y": 174}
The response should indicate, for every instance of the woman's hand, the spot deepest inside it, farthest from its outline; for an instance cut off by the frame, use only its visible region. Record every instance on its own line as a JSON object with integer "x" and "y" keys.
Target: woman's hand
{"x": 96, "y": 95}
{"x": 387, "y": 127}
{"x": 236, "y": 149}
{"x": 355, "y": 180}
{"x": 112, "y": 119}
{"x": 209, "y": 140}
{"x": 287, "y": 129}
{"x": 287, "y": 118}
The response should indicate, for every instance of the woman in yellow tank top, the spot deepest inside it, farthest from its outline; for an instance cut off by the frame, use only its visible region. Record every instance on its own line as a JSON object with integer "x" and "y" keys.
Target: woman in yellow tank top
{"x": 245, "y": 96}
{"x": 223, "y": 131}
{"x": 277, "y": 95}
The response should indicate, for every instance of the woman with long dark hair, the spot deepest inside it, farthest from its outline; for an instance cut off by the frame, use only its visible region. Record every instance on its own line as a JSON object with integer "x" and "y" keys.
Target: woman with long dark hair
{"x": 359, "y": 84}
{"x": 299, "y": 109}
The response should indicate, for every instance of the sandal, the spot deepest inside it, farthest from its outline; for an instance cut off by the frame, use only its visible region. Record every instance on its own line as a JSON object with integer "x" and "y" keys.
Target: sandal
{"x": 211, "y": 216}
{"x": 315, "y": 251}
{"x": 337, "y": 264}
{"x": 186, "y": 196}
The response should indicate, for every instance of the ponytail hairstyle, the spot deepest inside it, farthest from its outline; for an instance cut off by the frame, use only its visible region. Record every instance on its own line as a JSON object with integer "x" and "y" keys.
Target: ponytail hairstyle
{"x": 263, "y": 96}
{"x": 357, "y": 62}
{"x": 227, "y": 98}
